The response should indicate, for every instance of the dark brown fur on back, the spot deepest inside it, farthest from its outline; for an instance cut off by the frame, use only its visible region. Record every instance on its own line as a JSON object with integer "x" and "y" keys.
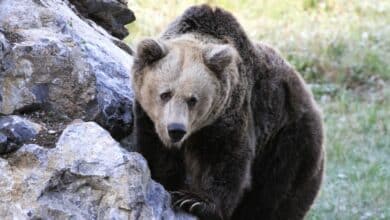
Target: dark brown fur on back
{"x": 263, "y": 157}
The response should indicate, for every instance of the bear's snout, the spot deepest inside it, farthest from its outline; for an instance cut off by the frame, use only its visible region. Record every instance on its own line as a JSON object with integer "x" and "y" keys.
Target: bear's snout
{"x": 176, "y": 131}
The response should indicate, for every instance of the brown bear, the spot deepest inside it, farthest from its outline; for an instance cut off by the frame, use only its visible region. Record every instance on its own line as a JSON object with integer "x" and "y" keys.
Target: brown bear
{"x": 226, "y": 125}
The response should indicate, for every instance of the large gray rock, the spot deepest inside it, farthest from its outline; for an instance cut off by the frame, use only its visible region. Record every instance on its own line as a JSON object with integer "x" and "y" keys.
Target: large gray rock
{"x": 87, "y": 176}
{"x": 52, "y": 59}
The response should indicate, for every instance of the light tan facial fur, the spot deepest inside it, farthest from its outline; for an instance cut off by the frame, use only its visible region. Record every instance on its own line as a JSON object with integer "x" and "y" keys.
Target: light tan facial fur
{"x": 166, "y": 88}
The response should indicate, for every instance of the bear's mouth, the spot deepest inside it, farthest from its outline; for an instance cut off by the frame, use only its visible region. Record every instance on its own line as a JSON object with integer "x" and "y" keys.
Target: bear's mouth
{"x": 174, "y": 143}
{"x": 170, "y": 144}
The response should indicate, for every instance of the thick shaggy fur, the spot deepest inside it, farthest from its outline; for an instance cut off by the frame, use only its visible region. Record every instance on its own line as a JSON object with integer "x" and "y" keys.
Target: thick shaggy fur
{"x": 262, "y": 156}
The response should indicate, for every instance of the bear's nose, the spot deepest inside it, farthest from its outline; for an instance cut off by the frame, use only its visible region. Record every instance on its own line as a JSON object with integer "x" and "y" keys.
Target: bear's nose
{"x": 176, "y": 131}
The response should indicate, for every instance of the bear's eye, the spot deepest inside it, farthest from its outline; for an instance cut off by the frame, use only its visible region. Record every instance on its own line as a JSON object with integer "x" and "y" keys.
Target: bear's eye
{"x": 166, "y": 96}
{"x": 191, "y": 102}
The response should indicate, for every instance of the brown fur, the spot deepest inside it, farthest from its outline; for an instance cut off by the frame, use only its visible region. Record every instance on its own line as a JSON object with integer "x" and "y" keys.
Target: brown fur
{"x": 184, "y": 71}
{"x": 253, "y": 142}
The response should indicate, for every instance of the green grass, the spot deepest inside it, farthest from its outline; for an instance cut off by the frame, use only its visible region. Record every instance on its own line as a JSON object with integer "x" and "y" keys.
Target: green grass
{"x": 342, "y": 48}
{"x": 357, "y": 178}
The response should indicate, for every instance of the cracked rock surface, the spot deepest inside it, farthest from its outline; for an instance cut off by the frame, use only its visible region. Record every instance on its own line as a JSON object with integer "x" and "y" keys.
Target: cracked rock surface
{"x": 52, "y": 59}
{"x": 81, "y": 178}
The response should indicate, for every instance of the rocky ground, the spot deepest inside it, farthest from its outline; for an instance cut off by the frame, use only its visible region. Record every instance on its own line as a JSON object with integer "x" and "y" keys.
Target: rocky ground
{"x": 65, "y": 105}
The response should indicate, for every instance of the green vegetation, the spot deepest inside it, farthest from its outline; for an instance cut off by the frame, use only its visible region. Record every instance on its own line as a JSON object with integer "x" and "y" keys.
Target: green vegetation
{"x": 357, "y": 178}
{"x": 342, "y": 49}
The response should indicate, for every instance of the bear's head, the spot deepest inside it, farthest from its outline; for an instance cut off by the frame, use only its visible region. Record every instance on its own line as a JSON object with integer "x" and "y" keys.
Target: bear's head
{"x": 183, "y": 84}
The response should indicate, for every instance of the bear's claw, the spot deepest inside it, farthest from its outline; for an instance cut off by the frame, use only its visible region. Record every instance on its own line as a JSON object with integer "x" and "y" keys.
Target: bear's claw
{"x": 194, "y": 205}
{"x": 189, "y": 202}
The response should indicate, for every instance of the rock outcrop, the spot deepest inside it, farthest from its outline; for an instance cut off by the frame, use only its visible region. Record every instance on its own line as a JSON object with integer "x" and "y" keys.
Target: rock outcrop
{"x": 55, "y": 60}
{"x": 86, "y": 176}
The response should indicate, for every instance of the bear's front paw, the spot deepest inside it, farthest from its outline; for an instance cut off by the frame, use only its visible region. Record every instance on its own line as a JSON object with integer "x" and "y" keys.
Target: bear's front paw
{"x": 188, "y": 201}
{"x": 194, "y": 204}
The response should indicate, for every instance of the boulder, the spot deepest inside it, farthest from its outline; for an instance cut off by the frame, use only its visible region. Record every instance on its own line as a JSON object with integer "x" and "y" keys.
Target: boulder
{"x": 86, "y": 176}
{"x": 53, "y": 60}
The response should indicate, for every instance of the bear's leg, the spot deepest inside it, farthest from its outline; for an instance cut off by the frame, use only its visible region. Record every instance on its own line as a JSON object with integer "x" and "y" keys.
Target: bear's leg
{"x": 218, "y": 182}
{"x": 299, "y": 202}
{"x": 166, "y": 166}
{"x": 286, "y": 175}
{"x": 217, "y": 192}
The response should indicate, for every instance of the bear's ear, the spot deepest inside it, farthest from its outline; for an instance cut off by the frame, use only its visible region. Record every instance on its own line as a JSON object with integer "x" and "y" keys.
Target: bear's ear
{"x": 149, "y": 51}
{"x": 218, "y": 57}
